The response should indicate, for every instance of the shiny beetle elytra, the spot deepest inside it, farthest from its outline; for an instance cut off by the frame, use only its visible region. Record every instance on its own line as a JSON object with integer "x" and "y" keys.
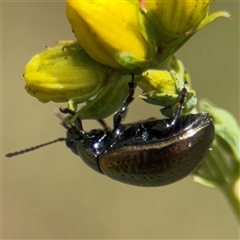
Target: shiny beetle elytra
{"x": 146, "y": 153}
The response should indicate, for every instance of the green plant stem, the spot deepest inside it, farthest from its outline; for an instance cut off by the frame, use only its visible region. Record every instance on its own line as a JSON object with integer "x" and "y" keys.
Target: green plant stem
{"x": 233, "y": 199}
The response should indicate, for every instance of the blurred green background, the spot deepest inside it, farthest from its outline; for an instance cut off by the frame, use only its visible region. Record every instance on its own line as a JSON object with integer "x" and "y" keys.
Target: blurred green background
{"x": 50, "y": 193}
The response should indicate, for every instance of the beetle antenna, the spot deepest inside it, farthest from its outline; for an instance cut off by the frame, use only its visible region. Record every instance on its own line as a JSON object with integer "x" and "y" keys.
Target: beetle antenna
{"x": 33, "y": 148}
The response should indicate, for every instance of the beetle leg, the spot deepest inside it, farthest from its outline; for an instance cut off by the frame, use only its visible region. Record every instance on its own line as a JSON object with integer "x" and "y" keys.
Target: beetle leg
{"x": 183, "y": 96}
{"x": 120, "y": 113}
{"x": 66, "y": 111}
{"x": 78, "y": 121}
{"x": 179, "y": 106}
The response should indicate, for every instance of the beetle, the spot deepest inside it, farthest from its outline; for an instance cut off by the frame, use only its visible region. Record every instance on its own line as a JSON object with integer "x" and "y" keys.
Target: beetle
{"x": 146, "y": 153}
{"x": 153, "y": 152}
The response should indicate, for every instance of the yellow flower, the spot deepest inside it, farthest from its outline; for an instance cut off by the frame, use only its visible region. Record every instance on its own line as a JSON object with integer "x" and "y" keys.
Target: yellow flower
{"x": 175, "y": 18}
{"x": 136, "y": 34}
{"x": 111, "y": 32}
{"x": 175, "y": 21}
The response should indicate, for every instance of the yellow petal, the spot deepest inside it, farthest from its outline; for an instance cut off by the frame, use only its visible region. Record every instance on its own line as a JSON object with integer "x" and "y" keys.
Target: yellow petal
{"x": 105, "y": 28}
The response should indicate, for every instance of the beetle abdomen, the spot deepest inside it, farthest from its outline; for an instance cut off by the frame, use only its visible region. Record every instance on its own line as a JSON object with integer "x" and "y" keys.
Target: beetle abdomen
{"x": 158, "y": 163}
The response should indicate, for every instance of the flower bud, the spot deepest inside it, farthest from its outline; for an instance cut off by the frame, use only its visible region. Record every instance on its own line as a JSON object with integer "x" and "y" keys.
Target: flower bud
{"x": 159, "y": 86}
{"x": 164, "y": 88}
{"x": 175, "y": 21}
{"x": 112, "y": 32}
{"x": 62, "y": 74}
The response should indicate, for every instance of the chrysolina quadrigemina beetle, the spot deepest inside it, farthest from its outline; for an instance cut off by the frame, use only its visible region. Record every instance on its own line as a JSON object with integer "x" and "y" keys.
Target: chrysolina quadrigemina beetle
{"x": 146, "y": 153}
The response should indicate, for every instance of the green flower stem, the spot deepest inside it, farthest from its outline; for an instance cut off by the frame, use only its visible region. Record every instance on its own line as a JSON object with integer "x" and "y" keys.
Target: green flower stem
{"x": 233, "y": 199}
